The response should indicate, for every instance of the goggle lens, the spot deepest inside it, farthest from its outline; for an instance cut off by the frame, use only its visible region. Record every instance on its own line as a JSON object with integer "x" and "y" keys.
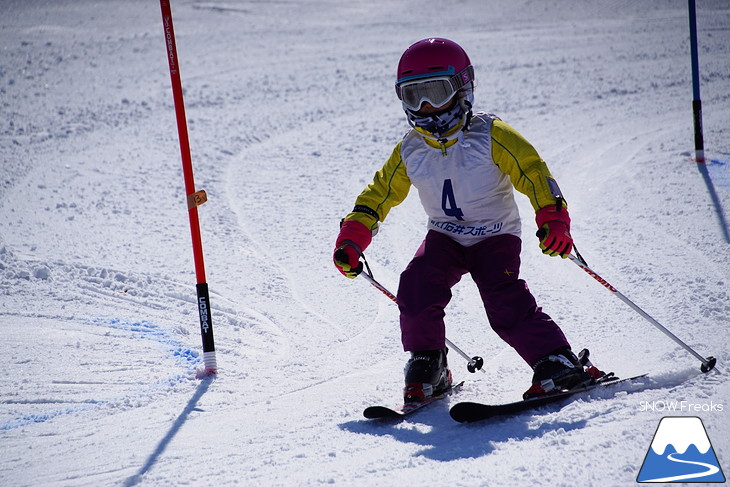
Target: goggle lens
{"x": 437, "y": 92}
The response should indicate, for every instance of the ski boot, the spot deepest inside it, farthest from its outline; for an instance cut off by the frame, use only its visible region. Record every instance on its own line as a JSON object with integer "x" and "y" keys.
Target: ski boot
{"x": 559, "y": 371}
{"x": 597, "y": 374}
{"x": 427, "y": 374}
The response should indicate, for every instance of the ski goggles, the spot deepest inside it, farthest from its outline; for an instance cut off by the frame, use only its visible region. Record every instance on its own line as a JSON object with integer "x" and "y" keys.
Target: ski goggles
{"x": 437, "y": 91}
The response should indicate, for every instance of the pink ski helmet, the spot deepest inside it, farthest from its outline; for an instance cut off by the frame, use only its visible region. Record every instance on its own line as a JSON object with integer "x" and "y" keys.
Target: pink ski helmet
{"x": 432, "y": 70}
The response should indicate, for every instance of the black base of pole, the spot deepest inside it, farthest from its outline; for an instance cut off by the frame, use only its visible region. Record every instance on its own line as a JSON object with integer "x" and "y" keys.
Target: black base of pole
{"x": 206, "y": 320}
{"x": 206, "y": 327}
{"x": 699, "y": 138}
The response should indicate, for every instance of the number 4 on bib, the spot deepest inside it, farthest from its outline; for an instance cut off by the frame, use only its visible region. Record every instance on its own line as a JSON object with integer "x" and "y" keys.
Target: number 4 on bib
{"x": 448, "y": 201}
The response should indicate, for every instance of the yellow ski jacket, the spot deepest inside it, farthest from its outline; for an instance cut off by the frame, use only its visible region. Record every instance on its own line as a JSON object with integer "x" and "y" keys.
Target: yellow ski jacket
{"x": 466, "y": 185}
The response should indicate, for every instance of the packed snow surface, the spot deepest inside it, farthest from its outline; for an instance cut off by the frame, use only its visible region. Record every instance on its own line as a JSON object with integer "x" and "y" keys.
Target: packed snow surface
{"x": 291, "y": 109}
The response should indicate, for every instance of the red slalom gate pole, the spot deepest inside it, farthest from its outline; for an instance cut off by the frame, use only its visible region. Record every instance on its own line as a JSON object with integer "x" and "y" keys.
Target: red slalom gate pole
{"x": 194, "y": 198}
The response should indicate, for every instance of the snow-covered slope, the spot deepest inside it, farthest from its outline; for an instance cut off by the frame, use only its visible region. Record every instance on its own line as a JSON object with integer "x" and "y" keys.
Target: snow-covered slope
{"x": 291, "y": 109}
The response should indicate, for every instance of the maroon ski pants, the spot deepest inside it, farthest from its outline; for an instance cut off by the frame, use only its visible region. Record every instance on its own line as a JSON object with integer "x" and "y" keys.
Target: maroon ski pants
{"x": 494, "y": 264}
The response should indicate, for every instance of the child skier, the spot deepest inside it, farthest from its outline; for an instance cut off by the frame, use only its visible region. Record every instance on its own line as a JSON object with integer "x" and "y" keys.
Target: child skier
{"x": 464, "y": 166}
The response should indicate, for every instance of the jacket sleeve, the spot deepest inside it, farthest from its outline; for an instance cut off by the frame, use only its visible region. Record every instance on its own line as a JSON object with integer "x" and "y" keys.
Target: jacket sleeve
{"x": 529, "y": 174}
{"x": 389, "y": 188}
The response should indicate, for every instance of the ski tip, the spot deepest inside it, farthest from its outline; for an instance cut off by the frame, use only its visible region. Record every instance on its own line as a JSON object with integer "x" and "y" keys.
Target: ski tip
{"x": 380, "y": 412}
{"x": 464, "y": 412}
{"x": 400, "y": 412}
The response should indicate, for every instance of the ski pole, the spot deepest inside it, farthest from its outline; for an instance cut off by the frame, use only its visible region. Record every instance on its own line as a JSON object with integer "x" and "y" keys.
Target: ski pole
{"x": 474, "y": 363}
{"x": 707, "y": 363}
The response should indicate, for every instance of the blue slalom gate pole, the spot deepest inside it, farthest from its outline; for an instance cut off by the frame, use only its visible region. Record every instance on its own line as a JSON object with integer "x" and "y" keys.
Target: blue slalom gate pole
{"x": 696, "y": 102}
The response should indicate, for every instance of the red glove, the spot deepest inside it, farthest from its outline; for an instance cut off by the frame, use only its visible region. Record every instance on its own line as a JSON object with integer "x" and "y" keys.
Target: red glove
{"x": 352, "y": 241}
{"x": 554, "y": 231}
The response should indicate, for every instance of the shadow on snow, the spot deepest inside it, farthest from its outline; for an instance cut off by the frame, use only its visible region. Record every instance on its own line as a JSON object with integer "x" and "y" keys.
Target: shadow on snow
{"x": 444, "y": 440}
{"x": 721, "y": 172}
{"x": 179, "y": 422}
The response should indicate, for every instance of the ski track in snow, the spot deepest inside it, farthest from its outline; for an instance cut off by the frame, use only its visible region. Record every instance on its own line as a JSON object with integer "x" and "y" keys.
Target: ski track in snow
{"x": 290, "y": 110}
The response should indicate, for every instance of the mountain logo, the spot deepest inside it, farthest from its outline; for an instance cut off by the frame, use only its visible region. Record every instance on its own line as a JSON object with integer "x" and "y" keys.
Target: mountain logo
{"x": 680, "y": 452}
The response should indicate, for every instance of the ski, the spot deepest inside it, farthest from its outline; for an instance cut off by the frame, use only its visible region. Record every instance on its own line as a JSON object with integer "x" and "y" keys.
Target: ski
{"x": 400, "y": 412}
{"x": 469, "y": 412}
